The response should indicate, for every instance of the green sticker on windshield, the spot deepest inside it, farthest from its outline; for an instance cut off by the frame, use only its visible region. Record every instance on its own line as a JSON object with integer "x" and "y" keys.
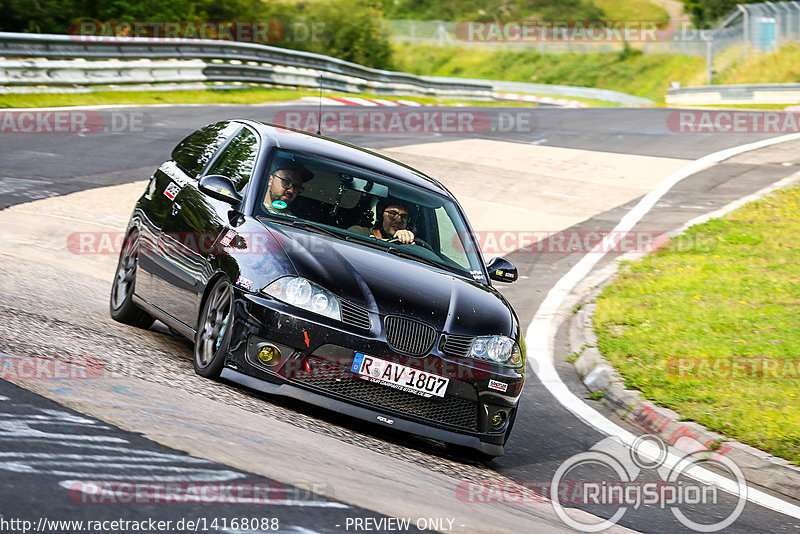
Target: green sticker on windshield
{"x": 279, "y": 205}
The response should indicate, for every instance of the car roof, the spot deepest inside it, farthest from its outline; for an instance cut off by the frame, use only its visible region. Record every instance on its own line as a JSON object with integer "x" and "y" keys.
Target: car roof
{"x": 300, "y": 141}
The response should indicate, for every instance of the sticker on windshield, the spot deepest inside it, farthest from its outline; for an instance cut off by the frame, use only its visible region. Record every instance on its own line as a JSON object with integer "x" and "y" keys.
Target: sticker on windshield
{"x": 279, "y": 205}
{"x": 477, "y": 275}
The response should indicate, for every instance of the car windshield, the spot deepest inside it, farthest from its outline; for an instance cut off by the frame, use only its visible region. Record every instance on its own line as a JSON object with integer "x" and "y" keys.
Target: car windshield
{"x": 370, "y": 208}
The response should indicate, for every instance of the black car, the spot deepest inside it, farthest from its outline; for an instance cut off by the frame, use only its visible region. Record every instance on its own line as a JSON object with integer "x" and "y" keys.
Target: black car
{"x": 308, "y": 298}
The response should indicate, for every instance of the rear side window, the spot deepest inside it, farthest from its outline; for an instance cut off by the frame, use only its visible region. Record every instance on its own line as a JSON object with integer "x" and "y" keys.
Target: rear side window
{"x": 194, "y": 152}
{"x": 238, "y": 159}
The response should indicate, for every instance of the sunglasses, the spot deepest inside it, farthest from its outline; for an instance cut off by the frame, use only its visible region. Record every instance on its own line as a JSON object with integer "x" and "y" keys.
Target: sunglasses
{"x": 395, "y": 214}
{"x": 288, "y": 184}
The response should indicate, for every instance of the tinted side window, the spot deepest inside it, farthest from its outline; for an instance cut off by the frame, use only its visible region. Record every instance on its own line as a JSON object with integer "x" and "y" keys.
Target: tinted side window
{"x": 196, "y": 150}
{"x": 237, "y": 160}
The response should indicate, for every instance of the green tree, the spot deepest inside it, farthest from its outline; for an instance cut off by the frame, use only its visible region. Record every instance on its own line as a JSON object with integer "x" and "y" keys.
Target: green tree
{"x": 350, "y": 30}
{"x": 55, "y": 16}
{"x": 353, "y": 30}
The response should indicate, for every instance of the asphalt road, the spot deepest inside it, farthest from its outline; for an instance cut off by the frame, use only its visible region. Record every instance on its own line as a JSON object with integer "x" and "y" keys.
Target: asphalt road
{"x": 38, "y": 166}
{"x": 63, "y": 471}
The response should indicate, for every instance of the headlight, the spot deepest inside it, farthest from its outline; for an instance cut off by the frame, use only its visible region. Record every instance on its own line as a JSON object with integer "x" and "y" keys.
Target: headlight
{"x": 498, "y": 349}
{"x": 306, "y": 295}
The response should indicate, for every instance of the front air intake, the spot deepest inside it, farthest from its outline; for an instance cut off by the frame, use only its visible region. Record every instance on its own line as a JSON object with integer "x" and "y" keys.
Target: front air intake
{"x": 409, "y": 336}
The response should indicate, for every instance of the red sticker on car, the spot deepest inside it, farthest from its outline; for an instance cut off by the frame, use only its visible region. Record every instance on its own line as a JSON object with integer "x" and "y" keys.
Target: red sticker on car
{"x": 172, "y": 190}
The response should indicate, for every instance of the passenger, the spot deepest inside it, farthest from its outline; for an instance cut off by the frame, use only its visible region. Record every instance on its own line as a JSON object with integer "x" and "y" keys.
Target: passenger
{"x": 391, "y": 223}
{"x": 284, "y": 185}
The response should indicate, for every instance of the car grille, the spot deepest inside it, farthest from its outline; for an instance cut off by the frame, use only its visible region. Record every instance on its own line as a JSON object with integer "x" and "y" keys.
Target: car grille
{"x": 457, "y": 346}
{"x": 329, "y": 376}
{"x": 355, "y": 316}
{"x": 409, "y": 336}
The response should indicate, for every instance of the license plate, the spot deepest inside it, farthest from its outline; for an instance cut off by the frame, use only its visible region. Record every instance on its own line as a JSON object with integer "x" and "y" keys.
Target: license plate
{"x": 399, "y": 376}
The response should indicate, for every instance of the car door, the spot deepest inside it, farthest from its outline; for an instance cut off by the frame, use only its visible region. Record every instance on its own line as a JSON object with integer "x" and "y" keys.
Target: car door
{"x": 187, "y": 160}
{"x": 192, "y": 228}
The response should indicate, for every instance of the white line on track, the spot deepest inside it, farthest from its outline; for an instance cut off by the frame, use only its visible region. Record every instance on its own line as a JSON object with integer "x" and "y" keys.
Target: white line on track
{"x": 540, "y": 335}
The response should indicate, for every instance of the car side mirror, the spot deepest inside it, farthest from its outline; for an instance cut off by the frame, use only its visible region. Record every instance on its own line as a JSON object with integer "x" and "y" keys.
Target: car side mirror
{"x": 221, "y": 188}
{"x": 502, "y": 270}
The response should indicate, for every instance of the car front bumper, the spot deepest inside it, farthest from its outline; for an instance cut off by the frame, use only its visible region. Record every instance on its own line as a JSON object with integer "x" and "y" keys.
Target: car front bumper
{"x": 315, "y": 355}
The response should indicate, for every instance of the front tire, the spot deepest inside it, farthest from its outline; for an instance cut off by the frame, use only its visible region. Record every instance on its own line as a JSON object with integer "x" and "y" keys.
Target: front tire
{"x": 121, "y": 304}
{"x": 214, "y": 330}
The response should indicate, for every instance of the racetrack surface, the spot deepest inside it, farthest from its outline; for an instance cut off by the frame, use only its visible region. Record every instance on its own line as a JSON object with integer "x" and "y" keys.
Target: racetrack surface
{"x": 577, "y": 169}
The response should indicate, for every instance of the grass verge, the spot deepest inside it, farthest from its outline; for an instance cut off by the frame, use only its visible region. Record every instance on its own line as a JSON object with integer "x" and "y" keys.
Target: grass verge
{"x": 709, "y": 325}
{"x": 216, "y": 96}
{"x": 144, "y": 97}
{"x": 628, "y": 71}
{"x": 781, "y": 66}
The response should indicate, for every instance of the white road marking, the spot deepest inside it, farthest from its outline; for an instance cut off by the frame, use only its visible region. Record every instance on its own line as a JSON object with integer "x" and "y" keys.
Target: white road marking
{"x": 190, "y": 475}
{"x": 540, "y": 335}
{"x": 382, "y": 102}
{"x": 358, "y": 101}
{"x": 46, "y": 457}
{"x": 114, "y": 462}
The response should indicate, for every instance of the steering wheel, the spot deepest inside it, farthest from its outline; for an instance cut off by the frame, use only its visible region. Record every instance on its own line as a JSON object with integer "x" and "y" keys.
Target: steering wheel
{"x": 417, "y": 241}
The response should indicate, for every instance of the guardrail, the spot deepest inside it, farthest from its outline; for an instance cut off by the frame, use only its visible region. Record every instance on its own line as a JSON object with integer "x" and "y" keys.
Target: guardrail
{"x": 761, "y": 93}
{"x": 64, "y": 72}
{"x": 227, "y": 61}
{"x": 103, "y": 60}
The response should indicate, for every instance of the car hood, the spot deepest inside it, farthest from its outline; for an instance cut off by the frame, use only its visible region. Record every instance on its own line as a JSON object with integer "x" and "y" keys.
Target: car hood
{"x": 387, "y": 284}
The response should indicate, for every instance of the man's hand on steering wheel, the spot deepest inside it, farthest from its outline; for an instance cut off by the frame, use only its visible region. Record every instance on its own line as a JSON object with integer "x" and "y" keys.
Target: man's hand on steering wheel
{"x": 406, "y": 237}
{"x": 415, "y": 241}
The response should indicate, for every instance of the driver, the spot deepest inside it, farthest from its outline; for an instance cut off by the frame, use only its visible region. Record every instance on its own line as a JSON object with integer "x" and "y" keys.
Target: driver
{"x": 285, "y": 183}
{"x": 390, "y": 224}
